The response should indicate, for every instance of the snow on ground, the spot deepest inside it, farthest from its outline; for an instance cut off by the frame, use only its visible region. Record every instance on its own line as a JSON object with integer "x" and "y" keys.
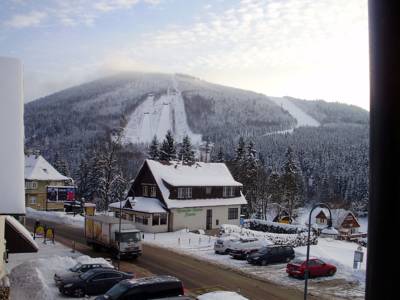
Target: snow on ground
{"x": 31, "y": 274}
{"x": 303, "y": 119}
{"x": 346, "y": 284}
{"x": 58, "y": 217}
{"x": 155, "y": 116}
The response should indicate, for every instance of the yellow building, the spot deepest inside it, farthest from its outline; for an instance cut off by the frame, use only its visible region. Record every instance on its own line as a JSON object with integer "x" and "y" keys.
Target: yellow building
{"x": 45, "y": 187}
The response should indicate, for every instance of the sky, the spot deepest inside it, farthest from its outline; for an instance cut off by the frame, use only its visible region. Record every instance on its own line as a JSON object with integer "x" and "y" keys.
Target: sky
{"x": 301, "y": 48}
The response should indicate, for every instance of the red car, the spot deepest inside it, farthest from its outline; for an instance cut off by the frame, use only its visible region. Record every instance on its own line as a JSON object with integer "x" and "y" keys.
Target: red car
{"x": 316, "y": 267}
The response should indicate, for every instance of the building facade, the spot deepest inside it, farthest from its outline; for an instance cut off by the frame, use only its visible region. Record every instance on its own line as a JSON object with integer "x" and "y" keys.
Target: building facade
{"x": 173, "y": 196}
{"x": 45, "y": 187}
{"x": 14, "y": 237}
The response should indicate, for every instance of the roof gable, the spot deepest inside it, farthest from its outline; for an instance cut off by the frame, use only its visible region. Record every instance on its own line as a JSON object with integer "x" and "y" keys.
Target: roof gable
{"x": 37, "y": 168}
{"x": 198, "y": 174}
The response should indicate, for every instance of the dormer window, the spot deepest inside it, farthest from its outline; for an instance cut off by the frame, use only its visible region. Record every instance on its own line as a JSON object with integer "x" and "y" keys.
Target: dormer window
{"x": 208, "y": 190}
{"x": 153, "y": 191}
{"x": 228, "y": 191}
{"x": 185, "y": 193}
{"x": 145, "y": 190}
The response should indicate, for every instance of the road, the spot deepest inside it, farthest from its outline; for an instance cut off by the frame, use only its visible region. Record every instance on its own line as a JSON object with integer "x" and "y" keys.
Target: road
{"x": 197, "y": 276}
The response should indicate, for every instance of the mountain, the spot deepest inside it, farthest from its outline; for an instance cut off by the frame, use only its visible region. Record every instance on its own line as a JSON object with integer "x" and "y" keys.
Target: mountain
{"x": 330, "y": 139}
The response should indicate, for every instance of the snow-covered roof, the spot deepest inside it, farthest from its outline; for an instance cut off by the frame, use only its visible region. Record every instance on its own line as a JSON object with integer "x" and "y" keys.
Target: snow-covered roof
{"x": 198, "y": 174}
{"x": 29, "y": 245}
{"x": 142, "y": 204}
{"x": 338, "y": 216}
{"x": 37, "y": 168}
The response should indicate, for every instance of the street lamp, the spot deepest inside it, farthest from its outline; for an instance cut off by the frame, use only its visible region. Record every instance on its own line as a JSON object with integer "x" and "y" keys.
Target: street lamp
{"x": 308, "y": 242}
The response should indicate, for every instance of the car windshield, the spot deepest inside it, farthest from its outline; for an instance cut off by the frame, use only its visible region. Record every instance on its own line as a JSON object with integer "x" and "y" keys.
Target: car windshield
{"x": 263, "y": 250}
{"x": 116, "y": 291}
{"x": 87, "y": 274}
{"x": 128, "y": 237}
{"x": 297, "y": 261}
{"x": 76, "y": 267}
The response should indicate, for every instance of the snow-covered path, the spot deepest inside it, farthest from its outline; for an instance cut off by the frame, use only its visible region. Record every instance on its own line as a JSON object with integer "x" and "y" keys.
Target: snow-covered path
{"x": 303, "y": 119}
{"x": 155, "y": 116}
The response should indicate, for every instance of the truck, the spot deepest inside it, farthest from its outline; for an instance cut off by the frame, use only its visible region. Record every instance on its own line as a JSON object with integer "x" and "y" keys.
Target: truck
{"x": 102, "y": 232}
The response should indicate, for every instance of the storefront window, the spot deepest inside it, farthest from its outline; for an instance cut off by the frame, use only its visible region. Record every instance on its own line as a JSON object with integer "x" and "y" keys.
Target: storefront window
{"x": 156, "y": 220}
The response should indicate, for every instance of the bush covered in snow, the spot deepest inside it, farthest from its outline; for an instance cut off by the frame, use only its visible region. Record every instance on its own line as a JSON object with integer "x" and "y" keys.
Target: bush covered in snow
{"x": 274, "y": 227}
{"x": 293, "y": 240}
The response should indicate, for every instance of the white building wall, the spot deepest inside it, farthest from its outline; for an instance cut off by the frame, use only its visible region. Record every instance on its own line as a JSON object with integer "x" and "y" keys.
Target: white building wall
{"x": 196, "y": 217}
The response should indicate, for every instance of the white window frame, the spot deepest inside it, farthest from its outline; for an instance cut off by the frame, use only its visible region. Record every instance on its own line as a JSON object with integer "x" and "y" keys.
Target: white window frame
{"x": 153, "y": 191}
{"x": 31, "y": 185}
{"x": 208, "y": 190}
{"x": 228, "y": 191}
{"x": 145, "y": 190}
{"x": 33, "y": 200}
{"x": 184, "y": 193}
{"x": 235, "y": 212}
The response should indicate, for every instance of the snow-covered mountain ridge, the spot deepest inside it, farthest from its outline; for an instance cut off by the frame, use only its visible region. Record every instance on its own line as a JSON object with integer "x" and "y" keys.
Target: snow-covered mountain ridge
{"x": 148, "y": 104}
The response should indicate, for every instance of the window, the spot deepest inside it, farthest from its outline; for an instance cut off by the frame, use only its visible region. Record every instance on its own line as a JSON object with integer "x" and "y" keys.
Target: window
{"x": 228, "y": 191}
{"x": 163, "y": 219}
{"x": 145, "y": 190}
{"x": 153, "y": 191}
{"x": 156, "y": 220}
{"x": 185, "y": 193}
{"x": 233, "y": 213}
{"x": 33, "y": 200}
{"x": 208, "y": 190}
{"x": 217, "y": 222}
{"x": 31, "y": 185}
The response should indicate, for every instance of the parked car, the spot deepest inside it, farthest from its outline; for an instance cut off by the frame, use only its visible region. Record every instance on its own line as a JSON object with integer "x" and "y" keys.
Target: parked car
{"x": 145, "y": 288}
{"x": 244, "y": 246}
{"x": 93, "y": 282}
{"x": 223, "y": 244}
{"x": 80, "y": 268}
{"x": 363, "y": 242}
{"x": 271, "y": 254}
{"x": 316, "y": 267}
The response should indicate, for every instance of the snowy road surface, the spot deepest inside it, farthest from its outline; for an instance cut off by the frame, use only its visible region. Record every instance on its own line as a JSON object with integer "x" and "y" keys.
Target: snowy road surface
{"x": 198, "y": 277}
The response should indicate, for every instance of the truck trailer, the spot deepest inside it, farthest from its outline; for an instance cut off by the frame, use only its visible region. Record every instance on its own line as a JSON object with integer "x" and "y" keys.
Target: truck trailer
{"x": 102, "y": 232}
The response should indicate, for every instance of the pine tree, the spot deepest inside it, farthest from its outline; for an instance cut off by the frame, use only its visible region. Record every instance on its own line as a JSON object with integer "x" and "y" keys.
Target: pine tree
{"x": 240, "y": 150}
{"x": 186, "y": 153}
{"x": 61, "y": 165}
{"x": 154, "y": 152}
{"x": 291, "y": 182}
{"x": 168, "y": 148}
{"x": 220, "y": 155}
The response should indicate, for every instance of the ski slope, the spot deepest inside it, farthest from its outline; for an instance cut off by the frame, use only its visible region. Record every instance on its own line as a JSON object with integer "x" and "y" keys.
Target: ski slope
{"x": 155, "y": 116}
{"x": 303, "y": 119}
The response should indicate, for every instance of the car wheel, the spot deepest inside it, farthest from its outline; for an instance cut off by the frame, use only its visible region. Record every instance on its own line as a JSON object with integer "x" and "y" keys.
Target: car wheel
{"x": 79, "y": 293}
{"x": 264, "y": 262}
{"x": 331, "y": 272}
{"x": 227, "y": 251}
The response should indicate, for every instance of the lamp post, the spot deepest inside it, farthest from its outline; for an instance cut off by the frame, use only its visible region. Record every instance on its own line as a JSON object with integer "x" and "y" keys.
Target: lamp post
{"x": 308, "y": 242}
{"x": 119, "y": 233}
